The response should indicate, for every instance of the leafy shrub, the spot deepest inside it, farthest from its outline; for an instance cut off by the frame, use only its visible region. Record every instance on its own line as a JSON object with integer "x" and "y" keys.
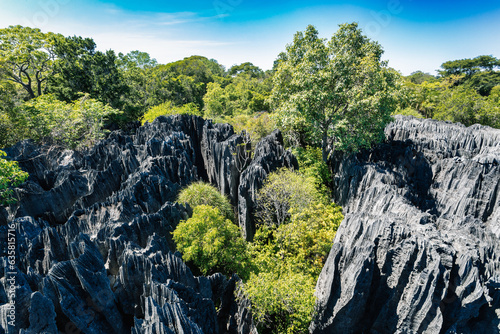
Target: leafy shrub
{"x": 312, "y": 165}
{"x": 408, "y": 112}
{"x": 307, "y": 239}
{"x": 73, "y": 125}
{"x": 200, "y": 193}
{"x": 212, "y": 243}
{"x": 465, "y": 105}
{"x": 282, "y": 300}
{"x": 168, "y": 108}
{"x": 257, "y": 126}
{"x": 10, "y": 176}
{"x": 284, "y": 190}
{"x": 289, "y": 256}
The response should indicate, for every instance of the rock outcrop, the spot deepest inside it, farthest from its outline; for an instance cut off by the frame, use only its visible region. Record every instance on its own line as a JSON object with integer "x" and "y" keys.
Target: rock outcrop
{"x": 93, "y": 247}
{"x": 268, "y": 157}
{"x": 419, "y": 248}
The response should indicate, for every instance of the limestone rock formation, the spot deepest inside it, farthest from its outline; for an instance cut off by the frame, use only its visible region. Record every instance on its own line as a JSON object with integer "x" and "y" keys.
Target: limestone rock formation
{"x": 94, "y": 252}
{"x": 419, "y": 248}
{"x": 269, "y": 156}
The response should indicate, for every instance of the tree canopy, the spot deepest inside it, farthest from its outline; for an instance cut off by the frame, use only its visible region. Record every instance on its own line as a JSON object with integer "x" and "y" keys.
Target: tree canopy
{"x": 27, "y": 56}
{"x": 469, "y": 66}
{"x": 341, "y": 91}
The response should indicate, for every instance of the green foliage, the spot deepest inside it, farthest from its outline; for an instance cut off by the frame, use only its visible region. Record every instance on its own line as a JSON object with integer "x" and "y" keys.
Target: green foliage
{"x": 495, "y": 94}
{"x": 168, "y": 108}
{"x": 73, "y": 125}
{"x": 311, "y": 165}
{"x": 10, "y": 176}
{"x": 465, "y": 105}
{"x": 282, "y": 191}
{"x": 26, "y": 57}
{"x": 282, "y": 300}
{"x": 308, "y": 238}
{"x": 212, "y": 243}
{"x": 468, "y": 66}
{"x": 409, "y": 111}
{"x": 80, "y": 69}
{"x": 136, "y": 60}
{"x": 340, "y": 91}
{"x": 246, "y": 69}
{"x": 257, "y": 126}
{"x": 419, "y": 77}
{"x": 183, "y": 81}
{"x": 200, "y": 193}
{"x": 288, "y": 259}
{"x": 244, "y": 94}
{"x": 483, "y": 82}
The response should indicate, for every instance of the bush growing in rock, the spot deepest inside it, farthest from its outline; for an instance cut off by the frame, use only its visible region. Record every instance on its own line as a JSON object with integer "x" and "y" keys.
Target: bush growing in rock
{"x": 10, "y": 176}
{"x": 212, "y": 243}
{"x": 200, "y": 193}
{"x": 282, "y": 191}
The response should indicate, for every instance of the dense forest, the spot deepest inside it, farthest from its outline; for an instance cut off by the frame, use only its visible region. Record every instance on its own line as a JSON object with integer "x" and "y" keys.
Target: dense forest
{"x": 325, "y": 96}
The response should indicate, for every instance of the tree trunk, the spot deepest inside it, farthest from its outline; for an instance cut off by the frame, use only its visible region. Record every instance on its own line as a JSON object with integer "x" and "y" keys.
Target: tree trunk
{"x": 324, "y": 148}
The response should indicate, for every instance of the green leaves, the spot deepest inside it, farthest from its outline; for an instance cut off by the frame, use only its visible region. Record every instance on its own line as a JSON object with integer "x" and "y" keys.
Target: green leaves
{"x": 168, "y": 108}
{"x": 26, "y": 57}
{"x": 284, "y": 190}
{"x": 74, "y": 125}
{"x": 212, "y": 243}
{"x": 10, "y": 176}
{"x": 465, "y": 105}
{"x": 200, "y": 193}
{"x": 339, "y": 94}
{"x": 244, "y": 94}
{"x": 290, "y": 248}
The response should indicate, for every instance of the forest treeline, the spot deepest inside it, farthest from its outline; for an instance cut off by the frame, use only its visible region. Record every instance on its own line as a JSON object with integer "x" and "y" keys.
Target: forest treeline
{"x": 64, "y": 91}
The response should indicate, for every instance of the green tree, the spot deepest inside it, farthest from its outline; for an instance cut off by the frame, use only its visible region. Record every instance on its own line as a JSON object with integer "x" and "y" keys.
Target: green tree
{"x": 282, "y": 300}
{"x": 288, "y": 259}
{"x": 419, "y": 77}
{"x": 312, "y": 166}
{"x": 483, "y": 82}
{"x": 183, "y": 81}
{"x": 168, "y": 108}
{"x": 74, "y": 125}
{"x": 26, "y": 57}
{"x": 256, "y": 126}
{"x": 282, "y": 191}
{"x": 247, "y": 69}
{"x": 79, "y": 69}
{"x": 468, "y": 66}
{"x": 201, "y": 193}
{"x": 212, "y": 243}
{"x": 342, "y": 91}
{"x": 242, "y": 95}
{"x": 465, "y": 105}
{"x": 136, "y": 59}
{"x": 10, "y": 176}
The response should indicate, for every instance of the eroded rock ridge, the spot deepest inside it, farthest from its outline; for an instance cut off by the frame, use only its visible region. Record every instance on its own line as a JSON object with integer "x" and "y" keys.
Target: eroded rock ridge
{"x": 419, "y": 248}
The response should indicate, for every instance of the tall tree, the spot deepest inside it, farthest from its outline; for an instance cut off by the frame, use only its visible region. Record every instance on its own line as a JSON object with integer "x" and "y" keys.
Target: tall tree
{"x": 80, "y": 69}
{"x": 341, "y": 90}
{"x": 26, "y": 57}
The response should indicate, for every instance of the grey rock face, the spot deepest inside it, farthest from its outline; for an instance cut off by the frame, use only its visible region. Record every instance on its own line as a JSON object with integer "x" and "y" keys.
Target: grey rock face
{"x": 269, "y": 156}
{"x": 419, "y": 248}
{"x": 94, "y": 252}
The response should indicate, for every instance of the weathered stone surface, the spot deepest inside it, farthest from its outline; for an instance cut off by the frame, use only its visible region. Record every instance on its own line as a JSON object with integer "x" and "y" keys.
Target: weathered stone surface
{"x": 269, "y": 156}
{"x": 419, "y": 249}
{"x": 42, "y": 316}
{"x": 93, "y": 232}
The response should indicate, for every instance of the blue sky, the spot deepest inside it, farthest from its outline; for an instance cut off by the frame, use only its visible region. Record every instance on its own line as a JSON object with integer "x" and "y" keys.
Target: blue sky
{"x": 416, "y": 35}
